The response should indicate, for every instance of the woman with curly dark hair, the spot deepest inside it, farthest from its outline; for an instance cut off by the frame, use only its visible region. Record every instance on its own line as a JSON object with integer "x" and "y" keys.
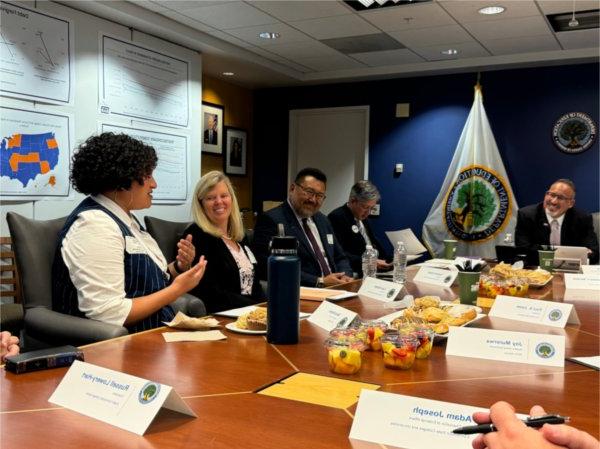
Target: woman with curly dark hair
{"x": 106, "y": 267}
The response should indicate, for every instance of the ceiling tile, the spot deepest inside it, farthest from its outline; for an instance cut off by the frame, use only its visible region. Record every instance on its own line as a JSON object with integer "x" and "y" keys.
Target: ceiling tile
{"x": 498, "y": 29}
{"x": 181, "y": 5}
{"x": 287, "y": 35}
{"x": 178, "y": 17}
{"x": 280, "y": 59}
{"x": 571, "y": 40}
{"x": 302, "y": 50}
{"x": 227, "y": 37}
{"x": 390, "y": 57}
{"x": 467, "y": 11}
{"x": 515, "y": 45}
{"x": 561, "y": 6}
{"x": 422, "y": 15}
{"x": 330, "y": 63}
{"x": 338, "y": 26}
{"x": 425, "y": 37}
{"x": 465, "y": 50}
{"x": 302, "y": 10}
{"x": 230, "y": 15}
{"x": 152, "y": 6}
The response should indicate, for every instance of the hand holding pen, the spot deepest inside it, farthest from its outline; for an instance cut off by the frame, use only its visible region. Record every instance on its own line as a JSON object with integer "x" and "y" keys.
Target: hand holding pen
{"x": 512, "y": 433}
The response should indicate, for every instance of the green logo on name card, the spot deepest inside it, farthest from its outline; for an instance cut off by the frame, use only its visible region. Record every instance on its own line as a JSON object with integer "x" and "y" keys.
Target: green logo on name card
{"x": 148, "y": 392}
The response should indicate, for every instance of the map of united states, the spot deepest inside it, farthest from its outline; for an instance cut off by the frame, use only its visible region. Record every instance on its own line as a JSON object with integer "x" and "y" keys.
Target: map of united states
{"x": 24, "y": 156}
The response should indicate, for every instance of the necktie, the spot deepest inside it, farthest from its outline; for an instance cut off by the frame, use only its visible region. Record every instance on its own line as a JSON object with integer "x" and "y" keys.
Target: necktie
{"x": 363, "y": 232}
{"x": 554, "y": 233}
{"x": 315, "y": 246}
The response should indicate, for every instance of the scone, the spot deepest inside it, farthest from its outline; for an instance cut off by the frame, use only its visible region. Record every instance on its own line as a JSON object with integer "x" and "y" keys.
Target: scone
{"x": 433, "y": 314}
{"x": 427, "y": 301}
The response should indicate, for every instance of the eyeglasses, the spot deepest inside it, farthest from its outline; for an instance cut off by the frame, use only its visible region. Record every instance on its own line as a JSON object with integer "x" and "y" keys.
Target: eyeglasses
{"x": 556, "y": 196}
{"x": 310, "y": 193}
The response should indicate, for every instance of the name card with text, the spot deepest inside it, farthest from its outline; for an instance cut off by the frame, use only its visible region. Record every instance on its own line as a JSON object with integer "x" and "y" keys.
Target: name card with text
{"x": 122, "y": 400}
{"x": 435, "y": 276}
{"x": 328, "y": 316}
{"x": 591, "y": 270}
{"x": 582, "y": 281}
{"x": 549, "y": 313}
{"x": 411, "y": 422}
{"x": 517, "y": 347}
{"x": 379, "y": 289}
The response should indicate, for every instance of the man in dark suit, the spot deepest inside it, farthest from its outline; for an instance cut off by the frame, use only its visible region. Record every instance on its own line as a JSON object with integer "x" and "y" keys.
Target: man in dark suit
{"x": 210, "y": 133}
{"x": 323, "y": 262}
{"x": 352, "y": 228}
{"x": 556, "y": 222}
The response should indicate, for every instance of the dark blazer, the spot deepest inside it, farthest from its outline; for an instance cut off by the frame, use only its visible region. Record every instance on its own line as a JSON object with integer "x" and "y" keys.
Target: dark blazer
{"x": 533, "y": 229}
{"x": 266, "y": 227}
{"x": 352, "y": 242}
{"x": 207, "y": 138}
{"x": 220, "y": 289}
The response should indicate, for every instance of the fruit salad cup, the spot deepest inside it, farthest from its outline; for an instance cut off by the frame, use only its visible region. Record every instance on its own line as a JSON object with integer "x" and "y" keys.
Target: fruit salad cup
{"x": 424, "y": 336}
{"x": 352, "y": 335}
{"x": 372, "y": 331}
{"x": 344, "y": 357}
{"x": 399, "y": 351}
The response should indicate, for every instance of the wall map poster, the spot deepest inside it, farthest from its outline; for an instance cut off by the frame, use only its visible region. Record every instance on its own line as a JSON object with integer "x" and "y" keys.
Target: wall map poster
{"x": 35, "y": 150}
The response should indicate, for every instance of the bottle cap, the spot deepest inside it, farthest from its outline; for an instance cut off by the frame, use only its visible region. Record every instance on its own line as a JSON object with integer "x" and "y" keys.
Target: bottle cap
{"x": 286, "y": 243}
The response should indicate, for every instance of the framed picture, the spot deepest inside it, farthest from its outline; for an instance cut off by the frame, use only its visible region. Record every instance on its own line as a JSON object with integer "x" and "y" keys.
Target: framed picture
{"x": 236, "y": 144}
{"x": 212, "y": 128}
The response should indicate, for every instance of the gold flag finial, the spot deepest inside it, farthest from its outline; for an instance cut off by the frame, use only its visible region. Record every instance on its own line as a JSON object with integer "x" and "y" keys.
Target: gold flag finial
{"x": 478, "y": 85}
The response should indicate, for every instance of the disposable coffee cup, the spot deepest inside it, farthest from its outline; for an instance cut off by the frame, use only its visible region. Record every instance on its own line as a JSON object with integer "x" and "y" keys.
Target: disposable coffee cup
{"x": 468, "y": 286}
{"x": 546, "y": 259}
{"x": 450, "y": 249}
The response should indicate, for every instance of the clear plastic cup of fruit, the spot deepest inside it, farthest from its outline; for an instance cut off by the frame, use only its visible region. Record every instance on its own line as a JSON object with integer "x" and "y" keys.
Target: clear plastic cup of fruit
{"x": 344, "y": 356}
{"x": 399, "y": 351}
{"x": 372, "y": 331}
{"x": 424, "y": 336}
{"x": 352, "y": 335}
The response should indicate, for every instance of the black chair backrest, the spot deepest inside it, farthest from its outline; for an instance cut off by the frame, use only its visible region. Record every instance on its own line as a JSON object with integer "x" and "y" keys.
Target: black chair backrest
{"x": 34, "y": 243}
{"x": 167, "y": 234}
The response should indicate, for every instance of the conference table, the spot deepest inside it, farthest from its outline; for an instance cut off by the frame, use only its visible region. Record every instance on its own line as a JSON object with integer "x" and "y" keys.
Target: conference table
{"x": 219, "y": 381}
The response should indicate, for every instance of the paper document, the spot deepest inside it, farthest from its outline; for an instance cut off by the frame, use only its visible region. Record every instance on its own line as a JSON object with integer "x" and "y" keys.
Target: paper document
{"x": 592, "y": 362}
{"x": 411, "y": 242}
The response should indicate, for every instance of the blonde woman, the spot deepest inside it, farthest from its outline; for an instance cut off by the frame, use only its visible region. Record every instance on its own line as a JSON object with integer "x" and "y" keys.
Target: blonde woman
{"x": 218, "y": 234}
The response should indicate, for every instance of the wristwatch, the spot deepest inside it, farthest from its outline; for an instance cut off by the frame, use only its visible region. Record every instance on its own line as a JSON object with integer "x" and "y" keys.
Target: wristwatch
{"x": 320, "y": 282}
{"x": 176, "y": 268}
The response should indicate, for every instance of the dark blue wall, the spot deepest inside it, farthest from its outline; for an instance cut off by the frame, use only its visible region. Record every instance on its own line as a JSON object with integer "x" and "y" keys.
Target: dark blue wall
{"x": 522, "y": 106}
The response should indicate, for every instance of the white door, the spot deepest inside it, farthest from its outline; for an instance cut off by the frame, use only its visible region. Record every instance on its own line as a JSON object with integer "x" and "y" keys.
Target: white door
{"x": 334, "y": 140}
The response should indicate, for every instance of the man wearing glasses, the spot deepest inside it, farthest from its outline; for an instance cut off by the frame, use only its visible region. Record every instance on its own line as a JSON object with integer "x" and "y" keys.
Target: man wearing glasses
{"x": 556, "y": 222}
{"x": 323, "y": 262}
{"x": 352, "y": 229}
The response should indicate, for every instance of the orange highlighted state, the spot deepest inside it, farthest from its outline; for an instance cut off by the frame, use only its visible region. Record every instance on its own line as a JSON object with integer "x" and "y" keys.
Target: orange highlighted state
{"x": 51, "y": 144}
{"x": 14, "y": 141}
{"x": 52, "y": 181}
{"x": 29, "y": 158}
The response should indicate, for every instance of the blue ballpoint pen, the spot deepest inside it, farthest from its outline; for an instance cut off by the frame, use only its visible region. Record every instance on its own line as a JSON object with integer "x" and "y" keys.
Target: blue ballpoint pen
{"x": 537, "y": 421}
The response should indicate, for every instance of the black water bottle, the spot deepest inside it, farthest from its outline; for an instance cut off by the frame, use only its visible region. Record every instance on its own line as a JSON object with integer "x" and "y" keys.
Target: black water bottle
{"x": 283, "y": 291}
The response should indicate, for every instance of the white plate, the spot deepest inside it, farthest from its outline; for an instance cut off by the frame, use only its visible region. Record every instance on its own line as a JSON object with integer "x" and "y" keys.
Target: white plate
{"x": 232, "y": 327}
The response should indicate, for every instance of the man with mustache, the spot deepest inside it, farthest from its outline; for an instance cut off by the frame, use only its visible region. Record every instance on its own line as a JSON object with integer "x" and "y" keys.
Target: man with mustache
{"x": 323, "y": 262}
{"x": 556, "y": 222}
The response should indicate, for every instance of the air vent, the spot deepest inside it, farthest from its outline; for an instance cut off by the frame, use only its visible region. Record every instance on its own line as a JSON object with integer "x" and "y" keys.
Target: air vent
{"x": 363, "y": 44}
{"x": 367, "y": 5}
{"x": 587, "y": 20}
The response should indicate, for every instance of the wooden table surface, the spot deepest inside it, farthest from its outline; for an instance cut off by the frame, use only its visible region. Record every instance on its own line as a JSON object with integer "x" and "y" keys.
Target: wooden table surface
{"x": 218, "y": 380}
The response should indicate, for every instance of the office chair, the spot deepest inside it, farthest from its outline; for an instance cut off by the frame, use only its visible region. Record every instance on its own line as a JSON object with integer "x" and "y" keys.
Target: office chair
{"x": 34, "y": 243}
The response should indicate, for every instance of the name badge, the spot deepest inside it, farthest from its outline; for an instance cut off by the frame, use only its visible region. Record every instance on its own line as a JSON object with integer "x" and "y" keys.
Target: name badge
{"x": 133, "y": 246}
{"x": 250, "y": 255}
{"x": 355, "y": 229}
{"x": 330, "y": 239}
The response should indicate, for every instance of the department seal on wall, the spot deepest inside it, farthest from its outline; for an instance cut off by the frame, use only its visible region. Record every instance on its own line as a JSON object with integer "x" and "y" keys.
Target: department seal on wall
{"x": 574, "y": 132}
{"x": 478, "y": 204}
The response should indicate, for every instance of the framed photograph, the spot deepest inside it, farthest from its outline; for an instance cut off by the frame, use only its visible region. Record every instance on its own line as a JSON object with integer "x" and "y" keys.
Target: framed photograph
{"x": 212, "y": 128}
{"x": 236, "y": 144}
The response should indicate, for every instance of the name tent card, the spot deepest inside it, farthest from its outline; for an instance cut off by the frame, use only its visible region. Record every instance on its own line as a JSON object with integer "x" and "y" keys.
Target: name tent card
{"x": 582, "y": 281}
{"x": 379, "y": 289}
{"x": 122, "y": 400}
{"x": 549, "y": 313}
{"x": 517, "y": 347}
{"x": 411, "y": 422}
{"x": 591, "y": 269}
{"x": 435, "y": 276}
{"x": 328, "y": 316}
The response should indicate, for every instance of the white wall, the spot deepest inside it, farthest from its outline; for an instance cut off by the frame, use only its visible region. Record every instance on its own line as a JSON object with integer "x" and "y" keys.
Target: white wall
{"x": 87, "y": 29}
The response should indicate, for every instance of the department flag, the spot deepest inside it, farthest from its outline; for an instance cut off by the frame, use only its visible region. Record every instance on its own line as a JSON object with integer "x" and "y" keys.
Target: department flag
{"x": 476, "y": 205}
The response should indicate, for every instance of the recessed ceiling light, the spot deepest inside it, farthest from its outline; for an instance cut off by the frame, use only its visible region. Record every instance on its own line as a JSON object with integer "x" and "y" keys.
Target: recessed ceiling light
{"x": 490, "y": 10}
{"x": 269, "y": 35}
{"x": 228, "y": 73}
{"x": 449, "y": 52}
